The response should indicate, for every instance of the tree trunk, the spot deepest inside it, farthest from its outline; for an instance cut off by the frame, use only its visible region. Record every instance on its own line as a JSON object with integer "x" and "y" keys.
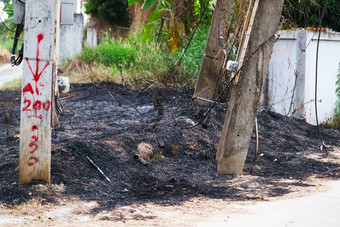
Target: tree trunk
{"x": 208, "y": 79}
{"x": 245, "y": 97}
{"x": 138, "y": 16}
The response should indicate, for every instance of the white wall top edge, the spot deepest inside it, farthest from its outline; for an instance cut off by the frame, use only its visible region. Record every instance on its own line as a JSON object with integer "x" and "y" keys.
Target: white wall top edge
{"x": 311, "y": 35}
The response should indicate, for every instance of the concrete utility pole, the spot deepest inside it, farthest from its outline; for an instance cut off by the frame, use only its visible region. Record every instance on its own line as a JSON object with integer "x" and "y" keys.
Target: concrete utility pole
{"x": 208, "y": 79}
{"x": 245, "y": 97}
{"x": 36, "y": 99}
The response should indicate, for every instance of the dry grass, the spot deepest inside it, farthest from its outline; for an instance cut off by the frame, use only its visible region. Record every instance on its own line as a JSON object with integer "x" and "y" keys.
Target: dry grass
{"x": 81, "y": 72}
{"x": 14, "y": 85}
{"x": 336, "y": 121}
{"x": 74, "y": 70}
{"x": 5, "y": 56}
{"x": 129, "y": 62}
{"x": 32, "y": 207}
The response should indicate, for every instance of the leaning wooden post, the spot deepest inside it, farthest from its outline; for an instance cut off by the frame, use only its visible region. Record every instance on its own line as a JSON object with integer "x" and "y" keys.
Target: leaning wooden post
{"x": 208, "y": 80}
{"x": 245, "y": 97}
{"x": 35, "y": 126}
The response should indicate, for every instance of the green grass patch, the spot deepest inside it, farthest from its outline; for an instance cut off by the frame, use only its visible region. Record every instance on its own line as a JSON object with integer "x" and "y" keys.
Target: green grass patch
{"x": 14, "y": 85}
{"x": 7, "y": 44}
{"x": 193, "y": 58}
{"x": 335, "y": 123}
{"x": 130, "y": 62}
{"x": 112, "y": 54}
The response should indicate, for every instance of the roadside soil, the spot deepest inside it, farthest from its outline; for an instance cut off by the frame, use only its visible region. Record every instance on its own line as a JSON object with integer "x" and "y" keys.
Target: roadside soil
{"x": 9, "y": 73}
{"x": 111, "y": 124}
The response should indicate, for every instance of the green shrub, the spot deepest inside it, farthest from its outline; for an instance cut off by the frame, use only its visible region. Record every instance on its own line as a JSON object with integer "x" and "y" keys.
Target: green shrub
{"x": 112, "y": 53}
{"x": 306, "y": 13}
{"x": 135, "y": 63}
{"x": 115, "y": 12}
{"x": 336, "y": 119}
{"x": 193, "y": 58}
{"x": 7, "y": 44}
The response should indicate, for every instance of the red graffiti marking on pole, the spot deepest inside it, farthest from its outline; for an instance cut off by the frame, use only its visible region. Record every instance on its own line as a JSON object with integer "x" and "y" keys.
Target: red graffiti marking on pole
{"x": 31, "y": 162}
{"x": 34, "y": 127}
{"x": 35, "y": 116}
{"x": 28, "y": 88}
{"x": 26, "y": 108}
{"x": 36, "y": 107}
{"x": 34, "y": 144}
{"x": 34, "y": 104}
{"x": 47, "y": 105}
{"x": 37, "y": 74}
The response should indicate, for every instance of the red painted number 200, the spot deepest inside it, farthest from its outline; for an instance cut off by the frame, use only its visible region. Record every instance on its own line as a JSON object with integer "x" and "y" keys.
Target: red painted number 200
{"x": 36, "y": 105}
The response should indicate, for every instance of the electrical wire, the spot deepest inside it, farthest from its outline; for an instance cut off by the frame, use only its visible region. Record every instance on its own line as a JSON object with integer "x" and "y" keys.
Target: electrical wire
{"x": 15, "y": 61}
{"x": 163, "y": 19}
{"x": 230, "y": 83}
{"x": 193, "y": 33}
{"x": 4, "y": 24}
{"x": 170, "y": 18}
{"x": 179, "y": 15}
{"x": 160, "y": 31}
{"x": 227, "y": 54}
{"x": 59, "y": 106}
{"x": 323, "y": 146}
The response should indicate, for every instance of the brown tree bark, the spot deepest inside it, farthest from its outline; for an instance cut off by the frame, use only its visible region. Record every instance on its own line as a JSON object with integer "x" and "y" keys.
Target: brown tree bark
{"x": 138, "y": 16}
{"x": 245, "y": 97}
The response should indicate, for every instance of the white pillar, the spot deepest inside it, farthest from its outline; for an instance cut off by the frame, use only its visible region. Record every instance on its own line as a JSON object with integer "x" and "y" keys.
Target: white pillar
{"x": 91, "y": 39}
{"x": 36, "y": 98}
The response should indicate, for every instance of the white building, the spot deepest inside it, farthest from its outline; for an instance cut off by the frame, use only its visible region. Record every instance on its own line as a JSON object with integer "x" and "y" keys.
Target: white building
{"x": 3, "y": 15}
{"x": 290, "y": 85}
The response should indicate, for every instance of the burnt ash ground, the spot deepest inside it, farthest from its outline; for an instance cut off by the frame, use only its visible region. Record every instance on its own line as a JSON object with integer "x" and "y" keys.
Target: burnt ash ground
{"x": 108, "y": 127}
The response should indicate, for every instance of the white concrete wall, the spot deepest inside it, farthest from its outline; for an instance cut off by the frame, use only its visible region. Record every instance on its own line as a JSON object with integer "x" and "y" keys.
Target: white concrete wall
{"x": 329, "y": 59}
{"x": 291, "y": 79}
{"x": 76, "y": 5}
{"x": 91, "y": 37}
{"x": 71, "y": 38}
{"x": 282, "y": 75}
{"x": 3, "y": 15}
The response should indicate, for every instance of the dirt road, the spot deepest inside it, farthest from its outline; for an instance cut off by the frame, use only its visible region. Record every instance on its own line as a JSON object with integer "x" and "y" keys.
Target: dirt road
{"x": 319, "y": 209}
{"x": 111, "y": 123}
{"x": 8, "y": 73}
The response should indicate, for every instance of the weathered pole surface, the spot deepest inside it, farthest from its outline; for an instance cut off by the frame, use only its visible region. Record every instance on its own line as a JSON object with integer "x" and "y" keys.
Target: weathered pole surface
{"x": 245, "y": 97}
{"x": 35, "y": 126}
{"x": 55, "y": 65}
{"x": 208, "y": 79}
